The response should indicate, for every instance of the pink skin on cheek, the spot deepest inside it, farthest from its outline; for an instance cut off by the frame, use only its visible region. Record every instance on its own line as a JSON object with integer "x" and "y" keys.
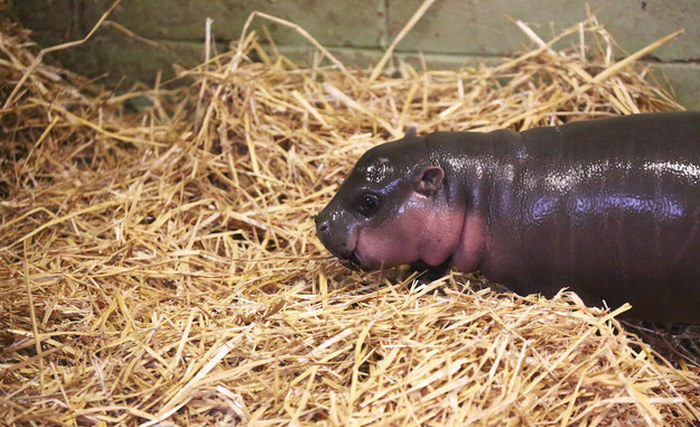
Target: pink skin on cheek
{"x": 441, "y": 236}
{"x": 421, "y": 230}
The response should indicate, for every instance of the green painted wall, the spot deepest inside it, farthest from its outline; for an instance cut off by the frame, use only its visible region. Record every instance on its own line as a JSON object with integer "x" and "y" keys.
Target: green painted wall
{"x": 452, "y": 33}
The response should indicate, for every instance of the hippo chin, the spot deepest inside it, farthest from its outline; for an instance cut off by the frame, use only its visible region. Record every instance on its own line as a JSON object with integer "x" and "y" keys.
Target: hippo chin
{"x": 609, "y": 208}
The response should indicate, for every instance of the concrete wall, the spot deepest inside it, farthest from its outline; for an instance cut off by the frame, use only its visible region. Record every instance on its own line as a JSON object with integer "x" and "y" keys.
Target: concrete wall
{"x": 452, "y": 33}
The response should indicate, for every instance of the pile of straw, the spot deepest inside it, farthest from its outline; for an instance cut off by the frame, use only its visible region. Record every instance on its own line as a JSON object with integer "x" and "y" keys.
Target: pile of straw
{"x": 162, "y": 266}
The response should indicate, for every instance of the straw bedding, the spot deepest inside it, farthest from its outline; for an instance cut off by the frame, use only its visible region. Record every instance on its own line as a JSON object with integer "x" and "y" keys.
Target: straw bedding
{"x": 161, "y": 266}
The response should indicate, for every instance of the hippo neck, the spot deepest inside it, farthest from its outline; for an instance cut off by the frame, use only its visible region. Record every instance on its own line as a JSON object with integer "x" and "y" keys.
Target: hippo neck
{"x": 477, "y": 165}
{"x": 479, "y": 171}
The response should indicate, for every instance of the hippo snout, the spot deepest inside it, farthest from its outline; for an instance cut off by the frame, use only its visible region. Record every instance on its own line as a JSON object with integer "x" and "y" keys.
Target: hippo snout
{"x": 335, "y": 234}
{"x": 323, "y": 230}
{"x": 321, "y": 226}
{"x": 330, "y": 235}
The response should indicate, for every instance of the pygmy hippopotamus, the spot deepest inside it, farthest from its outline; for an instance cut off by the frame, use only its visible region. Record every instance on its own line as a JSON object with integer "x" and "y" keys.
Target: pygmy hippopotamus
{"x": 609, "y": 208}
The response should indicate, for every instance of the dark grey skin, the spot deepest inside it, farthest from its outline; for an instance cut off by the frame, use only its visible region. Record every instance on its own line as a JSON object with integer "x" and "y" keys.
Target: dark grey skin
{"x": 609, "y": 208}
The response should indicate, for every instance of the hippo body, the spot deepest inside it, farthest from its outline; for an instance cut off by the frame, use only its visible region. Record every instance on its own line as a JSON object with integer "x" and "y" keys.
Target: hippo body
{"x": 609, "y": 208}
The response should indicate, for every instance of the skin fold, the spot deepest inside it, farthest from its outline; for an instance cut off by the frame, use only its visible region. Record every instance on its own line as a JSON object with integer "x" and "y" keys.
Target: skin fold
{"x": 609, "y": 208}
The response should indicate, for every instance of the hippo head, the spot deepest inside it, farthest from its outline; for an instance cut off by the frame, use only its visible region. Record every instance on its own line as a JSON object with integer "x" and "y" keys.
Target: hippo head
{"x": 391, "y": 210}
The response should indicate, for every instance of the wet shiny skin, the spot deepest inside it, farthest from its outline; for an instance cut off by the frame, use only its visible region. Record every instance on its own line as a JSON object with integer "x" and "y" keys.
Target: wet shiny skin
{"x": 609, "y": 208}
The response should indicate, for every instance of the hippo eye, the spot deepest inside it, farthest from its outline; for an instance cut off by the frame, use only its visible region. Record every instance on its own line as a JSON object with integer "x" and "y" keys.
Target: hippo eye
{"x": 369, "y": 203}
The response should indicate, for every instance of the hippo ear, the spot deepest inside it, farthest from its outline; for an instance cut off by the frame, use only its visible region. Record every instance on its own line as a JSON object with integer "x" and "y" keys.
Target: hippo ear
{"x": 430, "y": 180}
{"x": 411, "y": 132}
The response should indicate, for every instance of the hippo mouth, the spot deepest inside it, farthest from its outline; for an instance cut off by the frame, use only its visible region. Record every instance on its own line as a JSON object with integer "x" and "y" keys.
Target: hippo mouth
{"x": 352, "y": 262}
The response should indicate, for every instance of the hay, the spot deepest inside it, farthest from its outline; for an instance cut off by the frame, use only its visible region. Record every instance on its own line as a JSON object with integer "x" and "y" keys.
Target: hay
{"x": 162, "y": 267}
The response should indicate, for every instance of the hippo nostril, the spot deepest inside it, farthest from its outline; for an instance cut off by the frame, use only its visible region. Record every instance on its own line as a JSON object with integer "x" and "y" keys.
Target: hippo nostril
{"x": 322, "y": 227}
